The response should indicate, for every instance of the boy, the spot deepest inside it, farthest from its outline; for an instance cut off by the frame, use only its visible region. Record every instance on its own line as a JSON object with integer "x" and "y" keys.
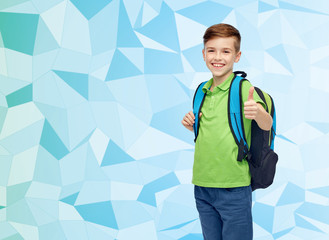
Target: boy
{"x": 222, "y": 184}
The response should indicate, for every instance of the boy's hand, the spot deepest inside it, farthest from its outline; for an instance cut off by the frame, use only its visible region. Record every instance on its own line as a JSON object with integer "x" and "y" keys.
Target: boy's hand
{"x": 189, "y": 119}
{"x": 250, "y": 106}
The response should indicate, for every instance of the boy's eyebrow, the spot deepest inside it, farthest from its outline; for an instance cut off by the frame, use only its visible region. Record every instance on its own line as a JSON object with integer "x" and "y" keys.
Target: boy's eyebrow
{"x": 225, "y": 48}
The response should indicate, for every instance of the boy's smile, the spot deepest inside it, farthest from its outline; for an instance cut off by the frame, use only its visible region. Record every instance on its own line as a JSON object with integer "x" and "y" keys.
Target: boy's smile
{"x": 218, "y": 65}
{"x": 220, "y": 55}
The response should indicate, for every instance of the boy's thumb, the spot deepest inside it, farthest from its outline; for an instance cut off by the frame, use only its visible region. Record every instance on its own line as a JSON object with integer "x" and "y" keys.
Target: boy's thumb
{"x": 200, "y": 114}
{"x": 251, "y": 93}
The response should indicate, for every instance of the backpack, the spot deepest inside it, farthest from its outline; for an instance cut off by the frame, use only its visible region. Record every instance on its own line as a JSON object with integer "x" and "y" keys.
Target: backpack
{"x": 261, "y": 158}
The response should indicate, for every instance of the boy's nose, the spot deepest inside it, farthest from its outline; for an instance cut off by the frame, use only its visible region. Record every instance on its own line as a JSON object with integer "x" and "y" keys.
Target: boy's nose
{"x": 218, "y": 56}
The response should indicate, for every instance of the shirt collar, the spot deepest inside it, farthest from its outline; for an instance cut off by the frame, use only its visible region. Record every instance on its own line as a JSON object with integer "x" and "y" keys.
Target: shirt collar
{"x": 223, "y": 86}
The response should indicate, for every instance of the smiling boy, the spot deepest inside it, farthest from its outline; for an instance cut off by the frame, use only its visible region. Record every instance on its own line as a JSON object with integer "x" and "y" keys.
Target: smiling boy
{"x": 222, "y": 184}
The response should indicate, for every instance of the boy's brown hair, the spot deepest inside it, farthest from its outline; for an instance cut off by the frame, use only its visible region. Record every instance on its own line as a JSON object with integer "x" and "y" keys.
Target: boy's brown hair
{"x": 223, "y": 30}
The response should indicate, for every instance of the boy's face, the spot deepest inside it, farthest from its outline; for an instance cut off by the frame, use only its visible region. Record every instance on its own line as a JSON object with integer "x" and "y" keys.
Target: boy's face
{"x": 220, "y": 55}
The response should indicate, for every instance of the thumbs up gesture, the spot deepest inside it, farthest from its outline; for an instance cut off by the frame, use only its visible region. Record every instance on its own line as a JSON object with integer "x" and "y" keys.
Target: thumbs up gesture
{"x": 250, "y": 106}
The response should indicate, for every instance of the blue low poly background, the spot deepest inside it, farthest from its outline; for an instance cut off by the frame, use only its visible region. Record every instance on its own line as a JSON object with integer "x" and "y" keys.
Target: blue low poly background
{"x": 92, "y": 94}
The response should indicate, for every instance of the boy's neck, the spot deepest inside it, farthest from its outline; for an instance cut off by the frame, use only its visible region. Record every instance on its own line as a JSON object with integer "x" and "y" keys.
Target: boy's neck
{"x": 219, "y": 80}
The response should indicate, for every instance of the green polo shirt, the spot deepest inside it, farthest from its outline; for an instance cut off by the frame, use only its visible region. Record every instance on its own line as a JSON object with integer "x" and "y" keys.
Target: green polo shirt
{"x": 215, "y": 157}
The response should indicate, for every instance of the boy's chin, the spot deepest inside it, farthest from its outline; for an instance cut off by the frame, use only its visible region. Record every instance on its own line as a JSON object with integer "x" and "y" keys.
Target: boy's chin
{"x": 217, "y": 74}
{"x": 220, "y": 73}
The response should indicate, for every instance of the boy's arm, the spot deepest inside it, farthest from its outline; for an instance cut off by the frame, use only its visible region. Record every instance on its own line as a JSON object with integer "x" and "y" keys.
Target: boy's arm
{"x": 255, "y": 111}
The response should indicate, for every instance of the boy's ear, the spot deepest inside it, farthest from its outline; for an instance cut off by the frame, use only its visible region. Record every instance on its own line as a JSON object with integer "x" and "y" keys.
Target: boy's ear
{"x": 204, "y": 55}
{"x": 237, "y": 58}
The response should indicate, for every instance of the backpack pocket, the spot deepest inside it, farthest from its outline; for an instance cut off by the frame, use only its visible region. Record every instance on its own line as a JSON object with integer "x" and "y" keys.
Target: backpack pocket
{"x": 262, "y": 176}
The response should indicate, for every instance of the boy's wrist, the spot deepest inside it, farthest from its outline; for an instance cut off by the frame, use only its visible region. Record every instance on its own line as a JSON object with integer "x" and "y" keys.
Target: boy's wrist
{"x": 263, "y": 118}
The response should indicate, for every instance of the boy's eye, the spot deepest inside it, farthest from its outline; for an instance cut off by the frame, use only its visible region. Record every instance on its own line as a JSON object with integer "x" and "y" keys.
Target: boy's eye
{"x": 210, "y": 50}
{"x": 226, "y": 51}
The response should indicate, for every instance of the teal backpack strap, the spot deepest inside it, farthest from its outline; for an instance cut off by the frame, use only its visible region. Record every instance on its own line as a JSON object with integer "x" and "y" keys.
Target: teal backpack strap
{"x": 197, "y": 104}
{"x": 273, "y": 130}
{"x": 235, "y": 115}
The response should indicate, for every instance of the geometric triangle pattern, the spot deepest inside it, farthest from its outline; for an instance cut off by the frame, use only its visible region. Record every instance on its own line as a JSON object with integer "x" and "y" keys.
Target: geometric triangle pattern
{"x": 91, "y": 98}
{"x": 115, "y": 155}
{"x": 78, "y": 81}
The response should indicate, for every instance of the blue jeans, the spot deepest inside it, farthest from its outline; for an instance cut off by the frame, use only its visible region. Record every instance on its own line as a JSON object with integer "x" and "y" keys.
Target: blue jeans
{"x": 225, "y": 213}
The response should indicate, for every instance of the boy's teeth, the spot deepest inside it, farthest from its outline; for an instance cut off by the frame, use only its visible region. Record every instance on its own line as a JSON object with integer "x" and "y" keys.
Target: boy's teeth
{"x": 217, "y": 65}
